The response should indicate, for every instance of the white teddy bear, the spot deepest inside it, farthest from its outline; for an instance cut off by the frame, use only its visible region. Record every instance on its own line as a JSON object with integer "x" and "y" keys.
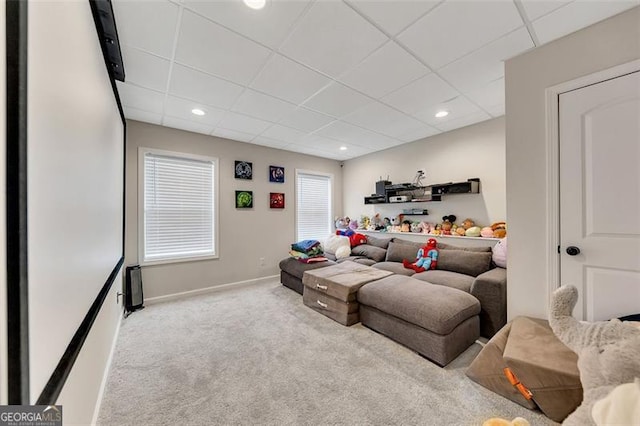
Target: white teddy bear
{"x": 608, "y": 353}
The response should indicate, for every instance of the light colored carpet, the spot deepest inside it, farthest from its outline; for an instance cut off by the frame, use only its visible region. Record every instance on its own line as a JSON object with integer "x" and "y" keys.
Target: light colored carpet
{"x": 257, "y": 355}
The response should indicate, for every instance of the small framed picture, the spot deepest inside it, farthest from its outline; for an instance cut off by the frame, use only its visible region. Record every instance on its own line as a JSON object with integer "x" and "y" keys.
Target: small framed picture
{"x": 276, "y": 200}
{"x": 244, "y": 199}
{"x": 276, "y": 174}
{"x": 244, "y": 170}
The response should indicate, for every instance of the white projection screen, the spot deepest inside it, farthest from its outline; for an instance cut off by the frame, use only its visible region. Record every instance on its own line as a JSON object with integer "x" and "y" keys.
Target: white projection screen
{"x": 74, "y": 175}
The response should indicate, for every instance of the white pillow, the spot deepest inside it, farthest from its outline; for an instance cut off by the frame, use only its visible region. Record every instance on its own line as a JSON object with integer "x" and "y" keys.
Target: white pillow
{"x": 337, "y": 245}
{"x": 500, "y": 253}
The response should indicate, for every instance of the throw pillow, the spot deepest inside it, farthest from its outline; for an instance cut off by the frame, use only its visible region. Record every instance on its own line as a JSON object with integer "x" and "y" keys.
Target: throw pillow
{"x": 378, "y": 242}
{"x": 465, "y": 262}
{"x": 370, "y": 251}
{"x": 397, "y": 252}
{"x": 500, "y": 253}
{"x": 445, "y": 246}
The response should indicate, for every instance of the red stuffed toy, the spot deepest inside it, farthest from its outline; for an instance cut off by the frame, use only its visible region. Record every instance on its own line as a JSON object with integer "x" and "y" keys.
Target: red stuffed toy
{"x": 357, "y": 239}
{"x": 427, "y": 257}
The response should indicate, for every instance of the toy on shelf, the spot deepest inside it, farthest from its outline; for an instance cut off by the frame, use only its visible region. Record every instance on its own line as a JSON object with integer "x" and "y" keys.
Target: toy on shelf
{"x": 486, "y": 232}
{"x": 342, "y": 222}
{"x": 426, "y": 227}
{"x": 405, "y": 226}
{"x": 447, "y": 224}
{"x": 426, "y": 258}
{"x": 474, "y": 231}
{"x": 499, "y": 229}
{"x": 365, "y": 221}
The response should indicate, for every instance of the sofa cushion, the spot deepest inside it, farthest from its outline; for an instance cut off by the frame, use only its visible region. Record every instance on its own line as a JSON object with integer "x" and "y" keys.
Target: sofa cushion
{"x": 441, "y": 245}
{"x": 447, "y": 278}
{"x": 397, "y": 252}
{"x": 464, "y": 262}
{"x": 297, "y": 268}
{"x": 372, "y": 252}
{"x": 433, "y": 307}
{"x": 394, "y": 267}
{"x": 378, "y": 242}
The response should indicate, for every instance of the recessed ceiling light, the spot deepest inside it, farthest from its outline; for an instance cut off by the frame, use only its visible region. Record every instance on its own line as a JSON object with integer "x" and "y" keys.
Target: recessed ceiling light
{"x": 197, "y": 111}
{"x": 441, "y": 114}
{"x": 255, "y": 4}
{"x": 343, "y": 148}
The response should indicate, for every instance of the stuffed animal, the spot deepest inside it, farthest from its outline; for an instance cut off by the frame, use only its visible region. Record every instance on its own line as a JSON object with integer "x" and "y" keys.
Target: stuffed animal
{"x": 406, "y": 226}
{"x": 364, "y": 222}
{"x": 607, "y": 352}
{"x": 377, "y": 223}
{"x": 474, "y": 231}
{"x": 342, "y": 222}
{"x": 447, "y": 224}
{"x": 353, "y": 224}
{"x": 518, "y": 421}
{"x": 426, "y": 227}
{"x": 460, "y": 231}
{"x": 499, "y": 229}
{"x": 357, "y": 239}
{"x": 468, "y": 223}
{"x": 345, "y": 232}
{"x": 426, "y": 258}
{"x": 486, "y": 232}
{"x": 337, "y": 245}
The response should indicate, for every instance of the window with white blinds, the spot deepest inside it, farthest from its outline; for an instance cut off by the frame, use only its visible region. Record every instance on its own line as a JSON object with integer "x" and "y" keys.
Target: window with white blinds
{"x": 313, "y": 206}
{"x": 178, "y": 206}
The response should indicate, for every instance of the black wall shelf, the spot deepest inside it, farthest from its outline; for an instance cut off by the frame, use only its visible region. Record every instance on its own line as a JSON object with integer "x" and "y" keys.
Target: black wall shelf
{"x": 391, "y": 192}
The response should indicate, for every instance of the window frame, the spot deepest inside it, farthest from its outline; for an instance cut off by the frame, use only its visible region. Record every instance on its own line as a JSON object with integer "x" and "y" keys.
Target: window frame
{"x": 331, "y": 195}
{"x": 142, "y": 151}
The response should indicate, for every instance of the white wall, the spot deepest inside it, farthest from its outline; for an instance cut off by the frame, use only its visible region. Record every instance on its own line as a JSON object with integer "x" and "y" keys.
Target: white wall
{"x": 3, "y": 222}
{"x": 245, "y": 235}
{"x": 75, "y": 183}
{"x": 475, "y": 151}
{"x": 606, "y": 44}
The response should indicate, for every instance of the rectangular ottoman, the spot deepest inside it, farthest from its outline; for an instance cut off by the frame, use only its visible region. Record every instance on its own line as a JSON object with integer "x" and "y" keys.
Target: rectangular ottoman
{"x": 332, "y": 290}
{"x": 436, "y": 321}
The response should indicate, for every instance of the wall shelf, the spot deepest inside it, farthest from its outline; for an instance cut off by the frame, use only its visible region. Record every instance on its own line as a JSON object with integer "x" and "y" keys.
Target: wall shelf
{"x": 395, "y": 194}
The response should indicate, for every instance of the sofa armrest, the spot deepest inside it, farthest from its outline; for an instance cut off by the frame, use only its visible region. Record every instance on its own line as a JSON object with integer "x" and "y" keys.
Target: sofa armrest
{"x": 490, "y": 288}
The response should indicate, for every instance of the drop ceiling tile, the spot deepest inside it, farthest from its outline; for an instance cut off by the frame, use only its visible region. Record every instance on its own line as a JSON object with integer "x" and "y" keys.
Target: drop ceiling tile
{"x": 458, "y": 108}
{"x": 284, "y": 134}
{"x": 181, "y": 108}
{"x": 141, "y": 98}
{"x": 420, "y": 94}
{"x": 577, "y": 15}
{"x": 421, "y": 133}
{"x": 386, "y": 70}
{"x": 136, "y": 29}
{"x": 144, "y": 69}
{"x": 337, "y": 100}
{"x": 393, "y": 16}
{"x": 233, "y": 135}
{"x": 268, "y": 26}
{"x": 486, "y": 64}
{"x": 306, "y": 120}
{"x": 272, "y": 143}
{"x": 383, "y": 119}
{"x": 345, "y": 132}
{"x": 243, "y": 123}
{"x": 190, "y": 126}
{"x": 331, "y": 38}
{"x": 198, "y": 86}
{"x": 288, "y": 80}
{"x": 489, "y": 97}
{"x": 139, "y": 115}
{"x": 211, "y": 48}
{"x": 308, "y": 150}
{"x": 496, "y": 111}
{"x": 467, "y": 120}
{"x": 536, "y": 8}
{"x": 457, "y": 28}
{"x": 262, "y": 106}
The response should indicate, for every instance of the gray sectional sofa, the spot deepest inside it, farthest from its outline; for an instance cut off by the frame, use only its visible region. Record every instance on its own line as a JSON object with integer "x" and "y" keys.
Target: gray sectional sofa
{"x": 466, "y": 269}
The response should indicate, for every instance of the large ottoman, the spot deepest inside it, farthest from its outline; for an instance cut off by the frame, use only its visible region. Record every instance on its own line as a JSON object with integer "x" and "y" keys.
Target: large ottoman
{"x": 332, "y": 290}
{"x": 292, "y": 270}
{"x": 437, "y": 322}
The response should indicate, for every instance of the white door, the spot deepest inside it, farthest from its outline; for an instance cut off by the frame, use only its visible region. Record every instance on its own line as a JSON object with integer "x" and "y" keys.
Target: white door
{"x": 600, "y": 196}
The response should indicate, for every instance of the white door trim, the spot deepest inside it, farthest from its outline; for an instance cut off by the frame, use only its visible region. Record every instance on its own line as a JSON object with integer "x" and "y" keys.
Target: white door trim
{"x": 553, "y": 160}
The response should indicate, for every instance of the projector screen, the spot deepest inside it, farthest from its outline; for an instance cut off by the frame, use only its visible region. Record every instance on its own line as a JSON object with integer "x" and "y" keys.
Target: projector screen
{"x": 75, "y": 152}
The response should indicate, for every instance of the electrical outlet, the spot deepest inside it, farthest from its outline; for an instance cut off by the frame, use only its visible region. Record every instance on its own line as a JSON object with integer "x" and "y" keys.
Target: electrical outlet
{"x": 261, "y": 261}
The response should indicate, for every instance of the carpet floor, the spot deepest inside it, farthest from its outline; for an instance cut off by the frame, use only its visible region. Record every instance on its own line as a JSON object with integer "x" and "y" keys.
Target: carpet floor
{"x": 257, "y": 355}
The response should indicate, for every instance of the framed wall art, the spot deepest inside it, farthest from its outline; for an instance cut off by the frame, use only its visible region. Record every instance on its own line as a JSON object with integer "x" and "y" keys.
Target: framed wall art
{"x": 244, "y": 199}
{"x": 244, "y": 170}
{"x": 276, "y": 200}
{"x": 276, "y": 174}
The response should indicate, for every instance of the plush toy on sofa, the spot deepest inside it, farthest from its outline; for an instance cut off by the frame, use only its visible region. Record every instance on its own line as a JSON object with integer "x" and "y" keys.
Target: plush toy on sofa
{"x": 607, "y": 352}
{"x": 427, "y": 257}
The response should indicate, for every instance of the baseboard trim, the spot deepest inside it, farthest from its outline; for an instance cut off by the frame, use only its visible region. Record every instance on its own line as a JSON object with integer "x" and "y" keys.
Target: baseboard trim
{"x": 213, "y": 289}
{"x": 103, "y": 385}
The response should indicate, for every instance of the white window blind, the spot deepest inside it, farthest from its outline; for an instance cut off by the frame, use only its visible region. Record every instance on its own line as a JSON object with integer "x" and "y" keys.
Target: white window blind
{"x": 178, "y": 207}
{"x": 313, "y": 206}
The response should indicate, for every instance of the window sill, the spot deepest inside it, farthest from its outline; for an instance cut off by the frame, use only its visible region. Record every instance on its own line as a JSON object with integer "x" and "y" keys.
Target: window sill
{"x": 178, "y": 260}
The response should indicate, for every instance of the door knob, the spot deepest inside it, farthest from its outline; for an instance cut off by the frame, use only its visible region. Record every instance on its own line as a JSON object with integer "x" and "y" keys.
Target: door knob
{"x": 573, "y": 251}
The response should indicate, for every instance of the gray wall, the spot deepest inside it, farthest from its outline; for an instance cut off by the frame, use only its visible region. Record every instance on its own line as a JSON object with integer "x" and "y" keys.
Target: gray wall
{"x": 245, "y": 236}
{"x": 604, "y": 45}
{"x": 469, "y": 152}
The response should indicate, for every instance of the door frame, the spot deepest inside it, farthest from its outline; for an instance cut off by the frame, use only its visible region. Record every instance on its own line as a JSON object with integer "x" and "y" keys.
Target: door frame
{"x": 552, "y": 100}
